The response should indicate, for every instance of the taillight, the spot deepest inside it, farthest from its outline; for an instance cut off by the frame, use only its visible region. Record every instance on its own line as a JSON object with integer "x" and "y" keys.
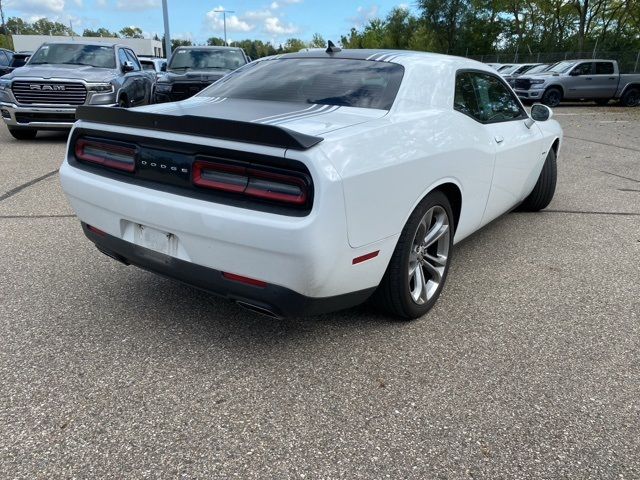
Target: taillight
{"x": 120, "y": 157}
{"x": 254, "y": 182}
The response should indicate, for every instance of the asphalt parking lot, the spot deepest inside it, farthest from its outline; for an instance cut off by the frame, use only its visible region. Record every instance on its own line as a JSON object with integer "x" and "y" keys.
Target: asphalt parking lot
{"x": 528, "y": 367}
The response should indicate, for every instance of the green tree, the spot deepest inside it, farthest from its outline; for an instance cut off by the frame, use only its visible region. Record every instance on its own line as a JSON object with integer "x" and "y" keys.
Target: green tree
{"x": 131, "y": 32}
{"x": 216, "y": 42}
{"x": 317, "y": 41}
{"x": 293, "y": 45}
{"x": 100, "y": 32}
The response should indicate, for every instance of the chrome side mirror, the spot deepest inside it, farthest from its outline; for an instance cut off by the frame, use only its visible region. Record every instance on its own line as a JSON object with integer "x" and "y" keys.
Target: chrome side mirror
{"x": 127, "y": 66}
{"x": 540, "y": 112}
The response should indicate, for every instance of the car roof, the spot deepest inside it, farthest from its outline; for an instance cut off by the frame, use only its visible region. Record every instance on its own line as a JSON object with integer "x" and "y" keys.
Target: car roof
{"x": 85, "y": 42}
{"x": 206, "y": 47}
{"x": 402, "y": 57}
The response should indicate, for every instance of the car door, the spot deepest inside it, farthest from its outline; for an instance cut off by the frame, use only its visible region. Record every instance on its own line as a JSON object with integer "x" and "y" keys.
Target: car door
{"x": 140, "y": 95}
{"x": 129, "y": 78}
{"x": 5, "y": 59}
{"x": 518, "y": 146}
{"x": 605, "y": 81}
{"x": 579, "y": 83}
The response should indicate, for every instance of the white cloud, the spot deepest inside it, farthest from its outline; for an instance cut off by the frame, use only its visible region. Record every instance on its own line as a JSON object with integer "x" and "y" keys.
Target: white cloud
{"x": 215, "y": 22}
{"x": 274, "y": 26}
{"x": 37, "y": 6}
{"x": 137, "y": 5}
{"x": 363, "y": 15}
{"x": 257, "y": 14}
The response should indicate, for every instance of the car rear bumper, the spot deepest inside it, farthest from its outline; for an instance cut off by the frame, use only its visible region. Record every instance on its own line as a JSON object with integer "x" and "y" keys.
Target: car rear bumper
{"x": 309, "y": 256}
{"x": 45, "y": 118}
{"x": 270, "y": 300}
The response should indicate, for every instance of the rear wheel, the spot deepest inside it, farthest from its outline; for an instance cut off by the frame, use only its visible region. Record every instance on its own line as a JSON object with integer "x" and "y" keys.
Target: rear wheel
{"x": 418, "y": 268}
{"x": 545, "y": 188}
{"x": 631, "y": 98}
{"x": 23, "y": 133}
{"x": 552, "y": 97}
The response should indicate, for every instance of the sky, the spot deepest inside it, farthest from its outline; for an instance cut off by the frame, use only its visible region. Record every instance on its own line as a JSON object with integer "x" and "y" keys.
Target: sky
{"x": 267, "y": 20}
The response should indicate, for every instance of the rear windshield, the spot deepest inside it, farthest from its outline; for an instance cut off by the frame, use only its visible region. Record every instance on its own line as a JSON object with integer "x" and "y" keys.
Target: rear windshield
{"x": 68, "y": 54}
{"x": 205, "y": 59}
{"x": 330, "y": 81}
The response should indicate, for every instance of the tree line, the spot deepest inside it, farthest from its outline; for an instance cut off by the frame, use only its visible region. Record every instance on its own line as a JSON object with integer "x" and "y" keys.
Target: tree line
{"x": 458, "y": 27}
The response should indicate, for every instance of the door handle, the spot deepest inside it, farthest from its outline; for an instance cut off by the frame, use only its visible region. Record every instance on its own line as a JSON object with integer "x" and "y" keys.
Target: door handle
{"x": 612, "y": 78}
{"x": 588, "y": 78}
{"x": 499, "y": 138}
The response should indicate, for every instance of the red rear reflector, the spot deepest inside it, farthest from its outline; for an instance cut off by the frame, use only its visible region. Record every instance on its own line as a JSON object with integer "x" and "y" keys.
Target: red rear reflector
{"x": 249, "y": 281}
{"x": 364, "y": 258}
{"x": 95, "y": 230}
{"x": 278, "y": 187}
{"x": 109, "y": 155}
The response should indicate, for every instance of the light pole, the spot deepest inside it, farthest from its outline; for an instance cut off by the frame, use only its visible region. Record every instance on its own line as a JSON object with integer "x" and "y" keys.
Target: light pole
{"x": 167, "y": 36}
{"x": 224, "y": 21}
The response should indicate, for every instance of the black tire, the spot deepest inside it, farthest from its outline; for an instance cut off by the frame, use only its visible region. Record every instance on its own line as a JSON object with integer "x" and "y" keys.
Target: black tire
{"x": 602, "y": 101}
{"x": 542, "y": 193}
{"x": 631, "y": 98}
{"x": 394, "y": 292}
{"x": 122, "y": 102}
{"x": 552, "y": 97}
{"x": 23, "y": 133}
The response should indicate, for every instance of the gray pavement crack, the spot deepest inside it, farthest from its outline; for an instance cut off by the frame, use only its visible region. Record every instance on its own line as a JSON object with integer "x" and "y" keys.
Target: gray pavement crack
{"x": 603, "y": 143}
{"x": 19, "y": 188}
{"x": 620, "y": 176}
{"x": 36, "y": 216}
{"x": 582, "y": 212}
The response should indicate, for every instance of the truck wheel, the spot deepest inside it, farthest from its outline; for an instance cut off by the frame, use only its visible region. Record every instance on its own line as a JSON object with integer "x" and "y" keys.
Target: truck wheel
{"x": 542, "y": 193}
{"x": 418, "y": 268}
{"x": 123, "y": 103}
{"x": 631, "y": 98}
{"x": 552, "y": 97}
{"x": 22, "y": 133}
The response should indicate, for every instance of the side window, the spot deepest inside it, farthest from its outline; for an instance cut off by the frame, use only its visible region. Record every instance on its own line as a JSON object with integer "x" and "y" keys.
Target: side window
{"x": 122, "y": 56}
{"x": 4, "y": 59}
{"x": 583, "y": 69}
{"x": 496, "y": 102}
{"x": 604, "y": 68}
{"x": 465, "y": 100}
{"x": 133, "y": 59}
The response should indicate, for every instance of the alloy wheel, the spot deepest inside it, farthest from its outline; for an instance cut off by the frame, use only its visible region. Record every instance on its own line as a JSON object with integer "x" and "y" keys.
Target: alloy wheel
{"x": 429, "y": 254}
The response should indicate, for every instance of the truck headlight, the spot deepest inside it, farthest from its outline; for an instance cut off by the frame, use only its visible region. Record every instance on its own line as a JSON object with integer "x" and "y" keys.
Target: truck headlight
{"x": 537, "y": 83}
{"x": 163, "y": 87}
{"x": 5, "y": 85}
{"x": 100, "y": 87}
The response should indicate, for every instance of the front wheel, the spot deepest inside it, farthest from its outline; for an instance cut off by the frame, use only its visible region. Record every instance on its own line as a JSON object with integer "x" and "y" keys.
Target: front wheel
{"x": 545, "y": 188}
{"x": 418, "y": 268}
{"x": 552, "y": 97}
{"x": 22, "y": 133}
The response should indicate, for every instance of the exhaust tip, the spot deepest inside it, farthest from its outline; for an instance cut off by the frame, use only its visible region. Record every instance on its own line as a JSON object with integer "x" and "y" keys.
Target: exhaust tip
{"x": 258, "y": 309}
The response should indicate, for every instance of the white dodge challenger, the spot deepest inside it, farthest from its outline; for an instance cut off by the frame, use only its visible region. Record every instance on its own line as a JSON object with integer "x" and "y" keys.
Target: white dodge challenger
{"x": 309, "y": 182}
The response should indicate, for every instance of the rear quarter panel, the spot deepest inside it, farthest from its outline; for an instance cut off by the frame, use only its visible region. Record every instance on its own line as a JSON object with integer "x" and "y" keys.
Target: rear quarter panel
{"x": 389, "y": 165}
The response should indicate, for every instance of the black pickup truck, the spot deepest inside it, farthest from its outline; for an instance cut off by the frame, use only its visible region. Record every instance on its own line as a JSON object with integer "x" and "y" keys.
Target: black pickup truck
{"x": 190, "y": 69}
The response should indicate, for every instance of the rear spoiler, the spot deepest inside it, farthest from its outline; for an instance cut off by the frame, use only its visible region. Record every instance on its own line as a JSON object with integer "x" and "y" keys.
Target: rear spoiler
{"x": 234, "y": 130}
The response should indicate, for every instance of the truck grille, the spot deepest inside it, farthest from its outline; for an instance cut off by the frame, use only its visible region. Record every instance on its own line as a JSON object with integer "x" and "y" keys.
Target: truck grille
{"x": 49, "y": 93}
{"x": 522, "y": 84}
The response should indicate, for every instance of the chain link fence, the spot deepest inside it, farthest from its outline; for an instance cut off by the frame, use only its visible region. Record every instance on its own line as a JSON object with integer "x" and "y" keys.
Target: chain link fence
{"x": 629, "y": 62}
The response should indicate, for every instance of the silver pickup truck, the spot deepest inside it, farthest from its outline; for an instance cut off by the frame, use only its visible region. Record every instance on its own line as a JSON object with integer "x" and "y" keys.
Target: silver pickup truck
{"x": 577, "y": 80}
{"x": 60, "y": 76}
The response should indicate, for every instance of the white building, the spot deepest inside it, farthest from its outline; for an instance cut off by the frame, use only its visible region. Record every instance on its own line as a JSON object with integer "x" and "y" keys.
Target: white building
{"x": 141, "y": 46}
